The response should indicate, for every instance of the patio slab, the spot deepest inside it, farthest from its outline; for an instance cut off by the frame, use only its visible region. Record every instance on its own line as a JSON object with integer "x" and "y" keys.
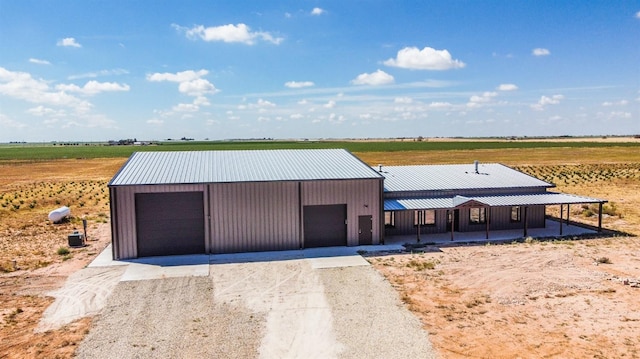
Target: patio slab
{"x": 552, "y": 229}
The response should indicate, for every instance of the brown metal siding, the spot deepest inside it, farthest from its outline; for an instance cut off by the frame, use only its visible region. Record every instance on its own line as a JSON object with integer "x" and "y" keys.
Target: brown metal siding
{"x": 257, "y": 216}
{"x": 404, "y": 224}
{"x": 501, "y": 217}
{"x": 362, "y": 197}
{"x": 124, "y": 235}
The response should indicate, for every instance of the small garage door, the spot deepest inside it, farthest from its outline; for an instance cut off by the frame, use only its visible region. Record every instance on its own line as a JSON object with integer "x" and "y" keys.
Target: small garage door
{"x": 169, "y": 223}
{"x": 325, "y": 226}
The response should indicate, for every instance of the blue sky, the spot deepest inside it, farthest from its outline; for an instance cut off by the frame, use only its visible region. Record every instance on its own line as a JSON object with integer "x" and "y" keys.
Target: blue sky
{"x": 100, "y": 70}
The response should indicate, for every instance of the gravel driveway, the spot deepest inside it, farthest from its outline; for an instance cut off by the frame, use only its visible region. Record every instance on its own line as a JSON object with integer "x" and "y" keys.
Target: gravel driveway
{"x": 271, "y": 309}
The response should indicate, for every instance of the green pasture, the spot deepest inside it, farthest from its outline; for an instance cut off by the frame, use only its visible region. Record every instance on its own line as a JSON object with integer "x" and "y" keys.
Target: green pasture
{"x": 31, "y": 152}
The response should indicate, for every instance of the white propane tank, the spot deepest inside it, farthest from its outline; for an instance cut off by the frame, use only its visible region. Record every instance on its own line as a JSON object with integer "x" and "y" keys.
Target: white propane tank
{"x": 59, "y": 214}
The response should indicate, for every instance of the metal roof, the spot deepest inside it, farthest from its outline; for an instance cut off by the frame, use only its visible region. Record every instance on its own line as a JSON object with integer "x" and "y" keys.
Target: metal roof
{"x": 453, "y": 177}
{"x": 148, "y": 168}
{"x": 548, "y": 198}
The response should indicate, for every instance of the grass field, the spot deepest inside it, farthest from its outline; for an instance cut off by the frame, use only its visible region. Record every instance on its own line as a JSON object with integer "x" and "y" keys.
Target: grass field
{"x": 33, "y": 152}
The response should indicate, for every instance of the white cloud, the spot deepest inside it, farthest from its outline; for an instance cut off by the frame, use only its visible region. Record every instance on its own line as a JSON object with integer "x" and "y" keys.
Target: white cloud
{"x": 183, "y": 76}
{"x": 39, "y": 61}
{"x": 298, "y": 84}
{"x": 303, "y": 102}
{"x": 155, "y": 121}
{"x": 374, "y": 79}
{"x": 620, "y": 114}
{"x": 190, "y": 82}
{"x": 6, "y": 122}
{"x": 338, "y": 119}
{"x": 45, "y": 111}
{"x": 197, "y": 87}
{"x": 440, "y": 105}
{"x": 618, "y": 103}
{"x": 540, "y": 52}
{"x": 638, "y": 15}
{"x": 185, "y": 107}
{"x": 330, "y": 104}
{"x": 425, "y": 59}
{"x": 93, "y": 87}
{"x": 476, "y": 101}
{"x": 68, "y": 42}
{"x": 264, "y": 103}
{"x": 296, "y": 116}
{"x": 507, "y": 87}
{"x": 544, "y": 101}
{"x": 22, "y": 86}
{"x": 403, "y": 100}
{"x": 240, "y": 33}
{"x": 318, "y": 11}
{"x": 201, "y": 101}
{"x": 99, "y": 73}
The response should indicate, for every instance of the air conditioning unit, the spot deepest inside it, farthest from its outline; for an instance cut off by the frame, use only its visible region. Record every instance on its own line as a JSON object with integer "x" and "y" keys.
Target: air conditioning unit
{"x": 76, "y": 239}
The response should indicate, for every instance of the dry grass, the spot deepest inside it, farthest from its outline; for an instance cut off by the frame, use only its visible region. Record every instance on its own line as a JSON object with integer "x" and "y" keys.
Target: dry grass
{"x": 29, "y": 191}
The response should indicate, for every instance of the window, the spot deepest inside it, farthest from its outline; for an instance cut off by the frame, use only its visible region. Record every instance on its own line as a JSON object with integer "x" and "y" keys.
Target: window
{"x": 515, "y": 214}
{"x": 389, "y": 219}
{"x": 425, "y": 217}
{"x": 478, "y": 215}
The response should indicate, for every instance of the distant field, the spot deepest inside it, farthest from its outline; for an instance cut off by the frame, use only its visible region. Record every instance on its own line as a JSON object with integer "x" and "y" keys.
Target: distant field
{"x": 29, "y": 152}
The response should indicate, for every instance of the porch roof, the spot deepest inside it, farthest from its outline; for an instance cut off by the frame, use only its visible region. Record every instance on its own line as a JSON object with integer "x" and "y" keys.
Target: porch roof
{"x": 548, "y": 198}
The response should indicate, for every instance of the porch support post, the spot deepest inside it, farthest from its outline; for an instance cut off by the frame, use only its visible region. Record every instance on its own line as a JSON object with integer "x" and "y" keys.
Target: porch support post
{"x": 600, "y": 217}
{"x": 418, "y": 227}
{"x": 486, "y": 220}
{"x": 568, "y": 207}
{"x": 561, "y": 215}
{"x": 525, "y": 221}
{"x": 453, "y": 215}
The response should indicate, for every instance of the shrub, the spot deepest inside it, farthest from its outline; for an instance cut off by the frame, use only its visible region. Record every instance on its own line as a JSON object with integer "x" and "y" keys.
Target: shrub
{"x": 63, "y": 251}
{"x": 603, "y": 260}
{"x": 421, "y": 265}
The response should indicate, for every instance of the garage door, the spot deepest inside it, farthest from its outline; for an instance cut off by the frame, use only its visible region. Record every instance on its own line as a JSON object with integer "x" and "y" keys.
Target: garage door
{"x": 325, "y": 226}
{"x": 169, "y": 223}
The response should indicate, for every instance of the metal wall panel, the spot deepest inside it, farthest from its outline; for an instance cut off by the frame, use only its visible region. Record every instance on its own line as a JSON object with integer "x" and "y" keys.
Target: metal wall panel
{"x": 124, "y": 233}
{"x": 258, "y": 216}
{"x": 362, "y": 197}
{"x": 404, "y": 224}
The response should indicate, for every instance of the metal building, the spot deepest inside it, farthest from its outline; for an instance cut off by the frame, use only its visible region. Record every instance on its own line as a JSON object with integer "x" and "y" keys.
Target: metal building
{"x": 165, "y": 203}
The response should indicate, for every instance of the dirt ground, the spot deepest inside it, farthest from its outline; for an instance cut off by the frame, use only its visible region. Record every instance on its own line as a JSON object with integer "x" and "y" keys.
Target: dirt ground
{"x": 564, "y": 299}
{"x": 24, "y": 298}
{"x": 536, "y": 299}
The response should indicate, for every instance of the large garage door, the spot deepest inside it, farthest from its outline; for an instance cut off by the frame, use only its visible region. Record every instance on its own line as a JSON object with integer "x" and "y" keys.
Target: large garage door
{"x": 169, "y": 223}
{"x": 325, "y": 226}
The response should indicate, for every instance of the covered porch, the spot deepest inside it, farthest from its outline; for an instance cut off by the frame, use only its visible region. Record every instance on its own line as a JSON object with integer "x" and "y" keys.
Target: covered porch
{"x": 518, "y": 226}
